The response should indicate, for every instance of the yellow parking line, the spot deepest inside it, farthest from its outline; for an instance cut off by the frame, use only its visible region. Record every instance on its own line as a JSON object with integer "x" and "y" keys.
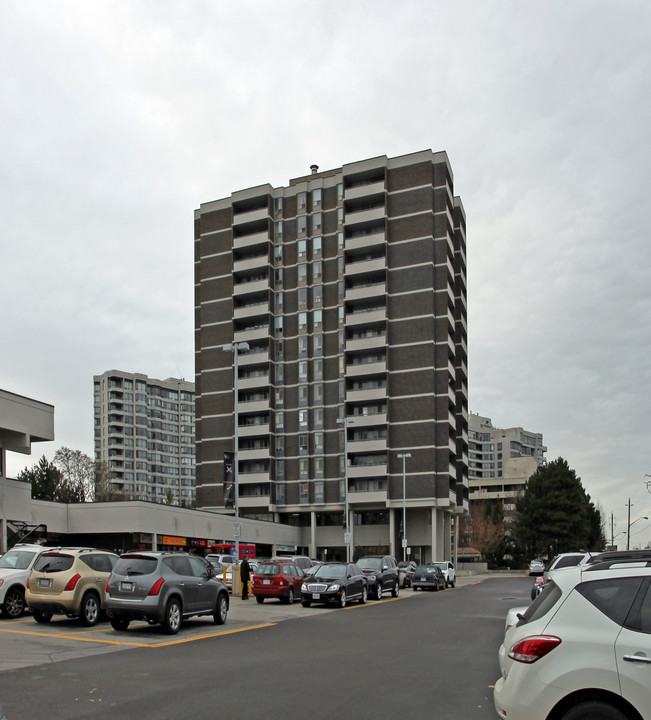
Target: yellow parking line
{"x": 135, "y": 644}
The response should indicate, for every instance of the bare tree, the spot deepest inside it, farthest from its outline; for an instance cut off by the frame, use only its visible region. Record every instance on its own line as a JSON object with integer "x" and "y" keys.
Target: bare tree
{"x": 78, "y": 474}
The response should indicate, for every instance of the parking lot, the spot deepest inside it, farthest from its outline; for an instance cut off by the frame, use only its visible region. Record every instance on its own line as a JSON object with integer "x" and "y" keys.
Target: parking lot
{"x": 26, "y": 643}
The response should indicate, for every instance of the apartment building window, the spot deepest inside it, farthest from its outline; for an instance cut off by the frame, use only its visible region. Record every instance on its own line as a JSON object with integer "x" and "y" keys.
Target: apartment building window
{"x": 280, "y": 372}
{"x": 318, "y": 319}
{"x": 301, "y": 201}
{"x": 340, "y": 310}
{"x": 279, "y": 397}
{"x": 318, "y": 491}
{"x": 340, "y": 290}
{"x": 316, "y": 270}
{"x": 278, "y": 230}
{"x": 316, "y": 197}
{"x": 318, "y": 442}
{"x": 316, "y": 246}
{"x": 279, "y": 349}
{"x": 279, "y": 325}
{"x": 278, "y": 253}
{"x": 317, "y": 343}
{"x": 302, "y": 395}
{"x": 342, "y": 367}
{"x": 302, "y": 371}
{"x": 318, "y": 417}
{"x": 302, "y": 346}
{"x": 316, "y": 223}
{"x": 302, "y": 248}
{"x": 302, "y": 322}
{"x": 302, "y": 418}
{"x": 278, "y": 277}
{"x": 304, "y": 487}
{"x": 317, "y": 369}
{"x": 280, "y": 469}
{"x": 280, "y": 420}
{"x": 340, "y": 192}
{"x": 340, "y": 265}
{"x": 302, "y": 273}
{"x": 301, "y": 225}
{"x": 342, "y": 391}
{"x": 302, "y": 444}
{"x": 340, "y": 216}
{"x": 279, "y": 301}
{"x": 317, "y": 295}
{"x": 318, "y": 392}
{"x": 280, "y": 493}
{"x": 341, "y": 337}
{"x": 302, "y": 297}
{"x": 318, "y": 468}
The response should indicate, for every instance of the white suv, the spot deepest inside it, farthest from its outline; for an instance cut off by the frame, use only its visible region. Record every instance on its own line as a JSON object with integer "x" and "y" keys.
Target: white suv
{"x": 582, "y": 650}
{"x": 15, "y": 566}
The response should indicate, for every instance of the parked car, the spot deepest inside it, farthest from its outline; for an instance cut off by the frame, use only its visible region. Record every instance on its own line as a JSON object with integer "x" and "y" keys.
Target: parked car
{"x": 335, "y": 582}
{"x": 513, "y": 616}
{"x": 447, "y": 568}
{"x": 69, "y": 581}
{"x": 280, "y": 580}
{"x": 406, "y": 572}
{"x": 382, "y": 574}
{"x": 582, "y": 649}
{"x": 536, "y": 567}
{"x": 564, "y": 560}
{"x": 302, "y": 561}
{"x": 15, "y": 568}
{"x": 164, "y": 588}
{"x": 428, "y": 577}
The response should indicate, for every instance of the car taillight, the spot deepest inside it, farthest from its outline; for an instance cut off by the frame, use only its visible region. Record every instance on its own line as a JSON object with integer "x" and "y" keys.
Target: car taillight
{"x": 27, "y": 583}
{"x": 538, "y": 581}
{"x": 155, "y": 588}
{"x": 530, "y": 649}
{"x": 72, "y": 583}
{"x": 106, "y": 586}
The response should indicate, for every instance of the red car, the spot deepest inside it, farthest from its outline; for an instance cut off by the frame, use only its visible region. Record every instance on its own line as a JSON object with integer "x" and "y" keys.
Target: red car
{"x": 277, "y": 579}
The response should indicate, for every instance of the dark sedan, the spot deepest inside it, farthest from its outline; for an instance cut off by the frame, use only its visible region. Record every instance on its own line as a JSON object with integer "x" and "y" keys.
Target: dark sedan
{"x": 428, "y": 577}
{"x": 335, "y": 583}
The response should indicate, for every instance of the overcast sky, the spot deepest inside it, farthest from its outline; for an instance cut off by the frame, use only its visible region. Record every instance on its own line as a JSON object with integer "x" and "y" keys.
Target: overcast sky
{"x": 119, "y": 118}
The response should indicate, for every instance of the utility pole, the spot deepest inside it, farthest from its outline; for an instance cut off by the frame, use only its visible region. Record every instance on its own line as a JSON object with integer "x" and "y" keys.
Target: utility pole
{"x": 628, "y": 527}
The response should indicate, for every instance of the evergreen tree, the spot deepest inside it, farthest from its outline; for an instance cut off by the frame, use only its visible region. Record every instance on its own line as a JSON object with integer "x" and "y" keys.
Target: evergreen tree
{"x": 45, "y": 479}
{"x": 554, "y": 514}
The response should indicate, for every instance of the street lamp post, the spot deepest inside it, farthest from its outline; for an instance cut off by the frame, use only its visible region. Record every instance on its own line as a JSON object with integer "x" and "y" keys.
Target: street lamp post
{"x": 235, "y": 348}
{"x": 630, "y": 525}
{"x": 404, "y": 457}
{"x": 345, "y": 422}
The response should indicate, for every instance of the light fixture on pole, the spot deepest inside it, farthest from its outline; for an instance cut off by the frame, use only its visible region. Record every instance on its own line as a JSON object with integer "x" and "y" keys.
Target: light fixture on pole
{"x": 404, "y": 457}
{"x": 345, "y": 422}
{"x": 235, "y": 348}
{"x": 628, "y": 532}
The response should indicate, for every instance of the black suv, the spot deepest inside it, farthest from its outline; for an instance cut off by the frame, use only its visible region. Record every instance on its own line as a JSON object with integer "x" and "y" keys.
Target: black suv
{"x": 382, "y": 574}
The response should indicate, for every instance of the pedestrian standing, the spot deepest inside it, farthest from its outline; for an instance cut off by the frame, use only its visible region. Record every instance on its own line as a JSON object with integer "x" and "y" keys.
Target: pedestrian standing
{"x": 245, "y": 574}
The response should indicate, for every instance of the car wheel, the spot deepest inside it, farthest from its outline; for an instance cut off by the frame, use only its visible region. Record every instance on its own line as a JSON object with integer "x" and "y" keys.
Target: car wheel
{"x": 42, "y": 617}
{"x": 305, "y": 603}
{"x": 14, "y": 604}
{"x": 414, "y": 588}
{"x": 172, "y": 618}
{"x": 89, "y": 610}
{"x": 452, "y": 583}
{"x": 342, "y": 599}
{"x": 119, "y": 623}
{"x": 378, "y": 591}
{"x": 259, "y": 600}
{"x": 594, "y": 710}
{"x": 395, "y": 590}
{"x": 289, "y": 600}
{"x": 221, "y": 609}
{"x": 364, "y": 597}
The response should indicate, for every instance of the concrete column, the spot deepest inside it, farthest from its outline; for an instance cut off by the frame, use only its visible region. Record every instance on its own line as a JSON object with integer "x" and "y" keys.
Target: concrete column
{"x": 447, "y": 536}
{"x": 393, "y": 550}
{"x": 434, "y": 538}
{"x": 312, "y": 550}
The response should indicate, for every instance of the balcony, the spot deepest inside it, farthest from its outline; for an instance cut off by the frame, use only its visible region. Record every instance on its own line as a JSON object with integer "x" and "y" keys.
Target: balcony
{"x": 253, "y": 406}
{"x": 252, "y": 310}
{"x": 360, "y": 217}
{"x": 373, "y": 497}
{"x": 363, "y": 292}
{"x": 366, "y": 394}
{"x": 363, "y": 190}
{"x": 260, "y": 332}
{"x": 364, "y": 471}
{"x": 247, "y": 241}
{"x": 254, "y": 454}
{"x": 253, "y": 430}
{"x": 254, "y": 357}
{"x": 251, "y": 216}
{"x": 369, "y": 419}
{"x": 255, "y": 501}
{"x": 364, "y": 369}
{"x": 254, "y": 381}
{"x": 366, "y": 241}
{"x": 365, "y": 265}
{"x": 366, "y": 343}
{"x": 262, "y": 476}
{"x": 254, "y": 286}
{"x": 367, "y": 446}
{"x": 256, "y": 262}
{"x": 376, "y": 315}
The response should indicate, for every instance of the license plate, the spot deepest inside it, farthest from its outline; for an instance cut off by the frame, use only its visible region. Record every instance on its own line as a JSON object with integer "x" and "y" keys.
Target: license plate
{"x": 126, "y": 586}
{"x": 44, "y": 582}
{"x": 316, "y": 596}
{"x": 423, "y": 579}
{"x": 266, "y": 582}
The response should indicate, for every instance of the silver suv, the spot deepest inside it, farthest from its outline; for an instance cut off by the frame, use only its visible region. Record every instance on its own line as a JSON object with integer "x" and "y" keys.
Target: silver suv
{"x": 164, "y": 588}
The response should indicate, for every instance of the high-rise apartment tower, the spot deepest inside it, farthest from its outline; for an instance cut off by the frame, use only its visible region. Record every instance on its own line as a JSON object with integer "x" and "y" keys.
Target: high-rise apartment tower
{"x": 344, "y": 295}
{"x": 144, "y": 431}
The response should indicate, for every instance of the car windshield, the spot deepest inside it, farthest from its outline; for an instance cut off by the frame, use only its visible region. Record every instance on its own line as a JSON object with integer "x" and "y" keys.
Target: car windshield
{"x": 135, "y": 565}
{"x": 16, "y": 559}
{"x": 568, "y": 561}
{"x": 369, "y": 563}
{"x": 53, "y": 562}
{"x": 327, "y": 572}
{"x": 270, "y": 569}
{"x": 443, "y": 565}
{"x": 425, "y": 569}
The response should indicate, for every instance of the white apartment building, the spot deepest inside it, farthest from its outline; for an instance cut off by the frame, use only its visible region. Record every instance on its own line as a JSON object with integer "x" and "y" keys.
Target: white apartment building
{"x": 144, "y": 431}
{"x": 501, "y": 460}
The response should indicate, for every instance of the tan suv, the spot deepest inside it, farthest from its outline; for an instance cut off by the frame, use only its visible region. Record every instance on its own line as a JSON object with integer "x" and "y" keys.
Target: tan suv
{"x": 69, "y": 581}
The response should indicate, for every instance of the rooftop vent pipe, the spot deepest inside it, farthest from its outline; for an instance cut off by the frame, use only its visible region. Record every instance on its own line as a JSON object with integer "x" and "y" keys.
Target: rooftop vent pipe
{"x": 314, "y": 169}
